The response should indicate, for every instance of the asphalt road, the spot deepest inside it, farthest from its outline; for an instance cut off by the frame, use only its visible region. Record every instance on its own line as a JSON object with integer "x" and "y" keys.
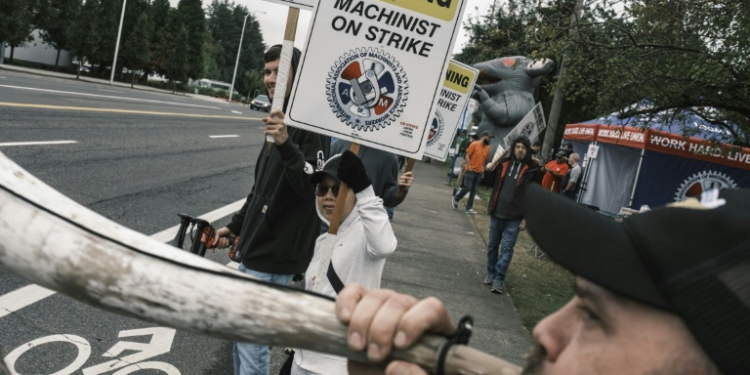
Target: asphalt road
{"x": 137, "y": 158}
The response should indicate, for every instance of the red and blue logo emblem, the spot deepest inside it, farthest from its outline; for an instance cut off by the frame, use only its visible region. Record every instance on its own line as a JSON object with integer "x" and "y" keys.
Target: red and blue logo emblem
{"x": 367, "y": 89}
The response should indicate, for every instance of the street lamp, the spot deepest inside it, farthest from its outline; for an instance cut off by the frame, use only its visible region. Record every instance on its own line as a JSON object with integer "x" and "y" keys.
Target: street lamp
{"x": 117, "y": 44}
{"x": 239, "y": 49}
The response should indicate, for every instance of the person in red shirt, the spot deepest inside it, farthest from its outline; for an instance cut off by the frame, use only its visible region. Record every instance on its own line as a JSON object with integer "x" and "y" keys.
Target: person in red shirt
{"x": 476, "y": 154}
{"x": 555, "y": 169}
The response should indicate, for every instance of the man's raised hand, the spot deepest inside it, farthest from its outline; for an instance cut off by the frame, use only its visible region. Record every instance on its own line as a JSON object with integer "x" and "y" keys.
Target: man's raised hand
{"x": 275, "y": 127}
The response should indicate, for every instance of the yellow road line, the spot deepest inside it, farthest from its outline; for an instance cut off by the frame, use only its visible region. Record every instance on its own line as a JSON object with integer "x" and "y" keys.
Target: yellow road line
{"x": 128, "y": 111}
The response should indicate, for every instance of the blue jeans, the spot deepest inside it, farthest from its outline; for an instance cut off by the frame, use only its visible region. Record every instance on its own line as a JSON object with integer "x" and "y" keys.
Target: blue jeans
{"x": 507, "y": 231}
{"x": 250, "y": 359}
{"x": 471, "y": 181}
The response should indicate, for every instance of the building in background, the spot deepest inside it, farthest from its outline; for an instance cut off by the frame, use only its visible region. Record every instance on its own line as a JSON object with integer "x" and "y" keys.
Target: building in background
{"x": 38, "y": 52}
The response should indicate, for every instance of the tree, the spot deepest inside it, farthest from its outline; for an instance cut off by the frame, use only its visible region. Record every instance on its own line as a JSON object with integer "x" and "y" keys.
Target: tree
{"x": 160, "y": 18}
{"x": 686, "y": 57}
{"x": 57, "y": 21}
{"x": 136, "y": 50}
{"x": 16, "y": 22}
{"x": 85, "y": 37}
{"x": 192, "y": 16}
{"x": 177, "y": 62}
{"x": 224, "y": 30}
{"x": 108, "y": 21}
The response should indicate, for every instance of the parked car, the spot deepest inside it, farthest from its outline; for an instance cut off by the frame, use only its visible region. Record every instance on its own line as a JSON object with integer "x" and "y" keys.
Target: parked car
{"x": 261, "y": 102}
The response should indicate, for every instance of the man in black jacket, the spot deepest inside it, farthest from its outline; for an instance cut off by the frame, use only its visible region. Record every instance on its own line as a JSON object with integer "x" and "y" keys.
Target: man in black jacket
{"x": 278, "y": 223}
{"x": 506, "y": 209}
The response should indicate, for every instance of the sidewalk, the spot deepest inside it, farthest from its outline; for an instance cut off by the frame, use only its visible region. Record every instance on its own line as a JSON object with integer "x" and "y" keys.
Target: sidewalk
{"x": 59, "y": 75}
{"x": 439, "y": 254}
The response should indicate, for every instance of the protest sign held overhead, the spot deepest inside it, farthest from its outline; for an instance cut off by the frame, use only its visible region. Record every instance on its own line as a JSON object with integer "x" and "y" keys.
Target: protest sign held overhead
{"x": 451, "y": 105}
{"x": 302, "y": 4}
{"x": 531, "y": 126}
{"x": 371, "y": 70}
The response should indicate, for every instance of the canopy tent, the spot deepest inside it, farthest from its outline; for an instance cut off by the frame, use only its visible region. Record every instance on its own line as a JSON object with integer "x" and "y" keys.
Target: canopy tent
{"x": 634, "y": 167}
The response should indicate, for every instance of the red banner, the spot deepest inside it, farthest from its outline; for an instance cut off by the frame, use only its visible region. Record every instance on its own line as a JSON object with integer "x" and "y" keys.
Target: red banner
{"x": 580, "y": 132}
{"x": 696, "y": 148}
{"x": 621, "y": 135}
{"x": 668, "y": 143}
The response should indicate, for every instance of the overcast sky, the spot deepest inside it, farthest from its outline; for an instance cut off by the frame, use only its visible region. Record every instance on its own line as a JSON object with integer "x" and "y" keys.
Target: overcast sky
{"x": 273, "y": 22}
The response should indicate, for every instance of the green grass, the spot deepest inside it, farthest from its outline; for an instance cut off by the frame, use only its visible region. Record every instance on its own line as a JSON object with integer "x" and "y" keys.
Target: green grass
{"x": 537, "y": 286}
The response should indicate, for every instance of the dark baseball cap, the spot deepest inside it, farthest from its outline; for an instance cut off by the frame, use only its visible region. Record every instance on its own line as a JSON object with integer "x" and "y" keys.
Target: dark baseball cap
{"x": 330, "y": 168}
{"x": 561, "y": 153}
{"x": 487, "y": 134}
{"x": 690, "y": 258}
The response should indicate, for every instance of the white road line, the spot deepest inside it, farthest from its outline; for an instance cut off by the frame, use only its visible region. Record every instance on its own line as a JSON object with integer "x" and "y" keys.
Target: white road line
{"x": 2, "y": 78}
{"x": 111, "y": 97}
{"x": 224, "y": 136}
{"x": 30, "y": 294}
{"x": 20, "y": 298}
{"x": 116, "y": 92}
{"x": 40, "y": 143}
{"x": 237, "y": 112}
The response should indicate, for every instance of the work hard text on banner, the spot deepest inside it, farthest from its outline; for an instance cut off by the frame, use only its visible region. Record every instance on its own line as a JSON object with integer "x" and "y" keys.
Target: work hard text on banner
{"x": 372, "y": 69}
{"x": 451, "y": 104}
{"x": 530, "y": 126}
{"x": 301, "y": 4}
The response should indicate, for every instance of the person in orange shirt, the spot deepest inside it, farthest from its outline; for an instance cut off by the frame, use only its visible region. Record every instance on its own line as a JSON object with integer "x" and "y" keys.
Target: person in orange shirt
{"x": 555, "y": 169}
{"x": 477, "y": 154}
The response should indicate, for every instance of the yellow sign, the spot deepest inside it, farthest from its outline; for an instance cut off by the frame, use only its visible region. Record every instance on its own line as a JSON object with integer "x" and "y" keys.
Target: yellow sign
{"x": 458, "y": 78}
{"x": 440, "y": 9}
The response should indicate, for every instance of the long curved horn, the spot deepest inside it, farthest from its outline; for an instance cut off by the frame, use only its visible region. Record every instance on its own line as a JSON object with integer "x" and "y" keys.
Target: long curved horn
{"x": 52, "y": 241}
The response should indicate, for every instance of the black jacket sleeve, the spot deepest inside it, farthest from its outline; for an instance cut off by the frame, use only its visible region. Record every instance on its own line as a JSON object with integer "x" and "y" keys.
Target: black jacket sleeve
{"x": 235, "y": 226}
{"x": 313, "y": 148}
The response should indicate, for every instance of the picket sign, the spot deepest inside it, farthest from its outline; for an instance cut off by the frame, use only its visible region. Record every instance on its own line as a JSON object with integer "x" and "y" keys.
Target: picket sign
{"x": 451, "y": 104}
{"x": 371, "y": 70}
{"x": 300, "y": 4}
{"x": 530, "y": 126}
{"x": 50, "y": 240}
{"x": 285, "y": 63}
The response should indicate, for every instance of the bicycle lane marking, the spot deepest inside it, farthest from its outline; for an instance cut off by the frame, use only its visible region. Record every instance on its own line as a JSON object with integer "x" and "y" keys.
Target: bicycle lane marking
{"x": 30, "y": 294}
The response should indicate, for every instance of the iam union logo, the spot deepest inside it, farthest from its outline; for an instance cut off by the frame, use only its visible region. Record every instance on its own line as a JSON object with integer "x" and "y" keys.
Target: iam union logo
{"x": 701, "y": 182}
{"x": 367, "y": 89}
{"x": 436, "y": 129}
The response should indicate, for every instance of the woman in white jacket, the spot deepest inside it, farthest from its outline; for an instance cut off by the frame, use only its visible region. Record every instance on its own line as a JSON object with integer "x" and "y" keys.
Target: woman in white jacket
{"x": 365, "y": 239}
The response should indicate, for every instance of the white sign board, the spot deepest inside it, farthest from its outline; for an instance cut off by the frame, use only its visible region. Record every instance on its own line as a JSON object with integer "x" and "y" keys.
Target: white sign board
{"x": 530, "y": 126}
{"x": 593, "y": 151}
{"x": 371, "y": 70}
{"x": 301, "y": 4}
{"x": 451, "y": 104}
{"x": 469, "y": 113}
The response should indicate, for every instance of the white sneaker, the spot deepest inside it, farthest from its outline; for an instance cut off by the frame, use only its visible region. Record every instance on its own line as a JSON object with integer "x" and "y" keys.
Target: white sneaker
{"x": 454, "y": 203}
{"x": 470, "y": 211}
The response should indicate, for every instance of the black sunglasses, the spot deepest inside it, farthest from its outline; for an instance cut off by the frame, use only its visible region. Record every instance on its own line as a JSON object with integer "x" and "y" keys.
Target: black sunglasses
{"x": 322, "y": 190}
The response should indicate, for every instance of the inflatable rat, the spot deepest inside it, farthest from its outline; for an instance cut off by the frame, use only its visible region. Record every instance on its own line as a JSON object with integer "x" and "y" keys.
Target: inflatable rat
{"x": 506, "y": 93}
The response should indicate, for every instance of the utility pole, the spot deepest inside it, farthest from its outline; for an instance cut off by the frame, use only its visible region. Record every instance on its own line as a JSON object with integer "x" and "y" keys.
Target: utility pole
{"x": 239, "y": 49}
{"x": 554, "y": 112}
{"x": 117, "y": 44}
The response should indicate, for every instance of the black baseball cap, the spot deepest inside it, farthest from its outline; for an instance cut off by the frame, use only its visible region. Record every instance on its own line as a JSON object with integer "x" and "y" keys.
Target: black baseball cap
{"x": 487, "y": 134}
{"x": 690, "y": 258}
{"x": 330, "y": 168}
{"x": 561, "y": 153}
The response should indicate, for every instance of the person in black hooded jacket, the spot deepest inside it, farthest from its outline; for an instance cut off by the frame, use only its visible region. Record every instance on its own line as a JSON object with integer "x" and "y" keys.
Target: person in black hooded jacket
{"x": 505, "y": 208}
{"x": 278, "y": 224}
